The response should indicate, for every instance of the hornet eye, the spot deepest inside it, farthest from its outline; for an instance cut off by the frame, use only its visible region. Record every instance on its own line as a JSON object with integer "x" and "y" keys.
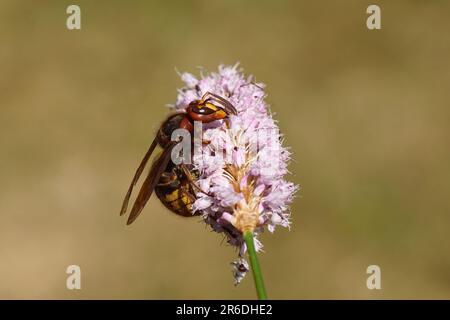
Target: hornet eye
{"x": 201, "y": 109}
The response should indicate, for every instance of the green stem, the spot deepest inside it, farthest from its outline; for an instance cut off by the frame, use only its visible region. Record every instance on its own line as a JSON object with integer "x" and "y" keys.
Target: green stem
{"x": 256, "y": 269}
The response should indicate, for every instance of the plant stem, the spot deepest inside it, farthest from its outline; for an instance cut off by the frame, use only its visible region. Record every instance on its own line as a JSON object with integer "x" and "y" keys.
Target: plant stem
{"x": 256, "y": 269}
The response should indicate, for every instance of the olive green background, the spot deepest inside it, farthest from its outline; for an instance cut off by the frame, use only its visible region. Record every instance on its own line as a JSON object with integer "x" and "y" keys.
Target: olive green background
{"x": 366, "y": 114}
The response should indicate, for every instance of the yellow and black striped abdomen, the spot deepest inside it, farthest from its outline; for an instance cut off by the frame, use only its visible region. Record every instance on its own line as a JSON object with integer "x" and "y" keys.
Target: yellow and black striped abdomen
{"x": 178, "y": 199}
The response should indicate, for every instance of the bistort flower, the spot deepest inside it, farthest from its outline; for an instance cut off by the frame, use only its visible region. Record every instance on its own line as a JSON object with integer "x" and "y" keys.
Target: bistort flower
{"x": 241, "y": 163}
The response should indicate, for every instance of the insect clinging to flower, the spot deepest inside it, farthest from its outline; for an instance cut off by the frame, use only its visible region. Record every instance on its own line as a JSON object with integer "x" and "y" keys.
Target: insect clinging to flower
{"x": 236, "y": 183}
{"x": 174, "y": 184}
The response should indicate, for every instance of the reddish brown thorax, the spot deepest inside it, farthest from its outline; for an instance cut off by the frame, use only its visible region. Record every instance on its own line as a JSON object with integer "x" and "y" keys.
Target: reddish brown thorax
{"x": 203, "y": 111}
{"x": 186, "y": 124}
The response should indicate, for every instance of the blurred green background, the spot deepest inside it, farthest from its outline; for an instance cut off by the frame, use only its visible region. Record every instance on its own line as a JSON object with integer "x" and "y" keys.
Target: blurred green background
{"x": 365, "y": 112}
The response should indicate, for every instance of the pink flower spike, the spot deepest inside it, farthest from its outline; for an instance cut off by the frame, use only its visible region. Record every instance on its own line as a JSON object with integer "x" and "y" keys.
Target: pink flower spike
{"x": 241, "y": 169}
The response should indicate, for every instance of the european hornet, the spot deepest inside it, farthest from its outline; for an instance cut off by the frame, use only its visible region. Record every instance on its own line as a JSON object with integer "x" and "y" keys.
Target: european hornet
{"x": 174, "y": 184}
